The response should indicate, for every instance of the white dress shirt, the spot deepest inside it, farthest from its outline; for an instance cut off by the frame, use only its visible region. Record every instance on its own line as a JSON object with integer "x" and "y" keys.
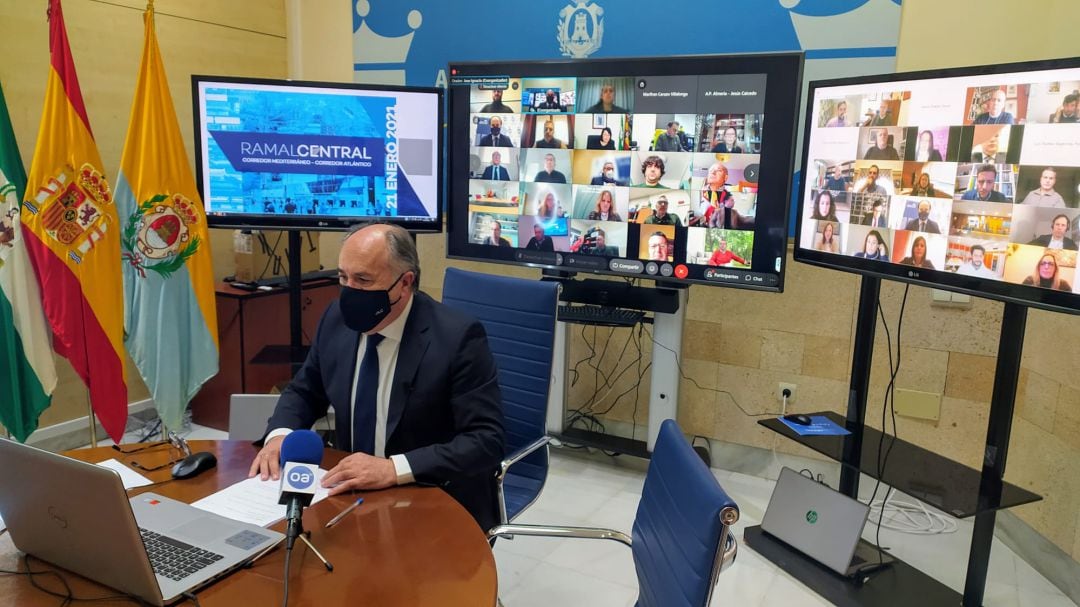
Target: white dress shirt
{"x": 388, "y": 354}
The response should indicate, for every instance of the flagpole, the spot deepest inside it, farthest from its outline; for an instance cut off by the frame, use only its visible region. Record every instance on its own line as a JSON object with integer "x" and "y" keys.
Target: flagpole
{"x": 90, "y": 416}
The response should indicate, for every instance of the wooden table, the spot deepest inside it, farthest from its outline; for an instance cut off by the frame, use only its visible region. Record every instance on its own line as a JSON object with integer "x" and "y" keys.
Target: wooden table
{"x": 406, "y": 546}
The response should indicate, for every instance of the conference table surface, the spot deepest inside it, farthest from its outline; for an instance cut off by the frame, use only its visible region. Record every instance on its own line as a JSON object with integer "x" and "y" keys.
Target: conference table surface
{"x": 405, "y": 546}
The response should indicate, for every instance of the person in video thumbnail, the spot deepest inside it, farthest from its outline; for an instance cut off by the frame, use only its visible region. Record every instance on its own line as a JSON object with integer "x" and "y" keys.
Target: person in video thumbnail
{"x": 540, "y": 241}
{"x": 551, "y": 102}
{"x": 990, "y": 151}
{"x": 495, "y": 137}
{"x": 549, "y": 208}
{"x": 496, "y": 106}
{"x": 824, "y": 207}
{"x": 923, "y": 187}
{"x": 549, "y": 140}
{"x": 606, "y": 104}
{"x": 878, "y": 216}
{"x": 874, "y": 247}
{"x": 923, "y": 223}
{"x": 729, "y": 143}
{"x": 605, "y": 208}
{"x": 496, "y": 172}
{"x": 496, "y": 238}
{"x": 669, "y": 140}
{"x": 839, "y": 116}
{"x": 1046, "y": 275}
{"x": 882, "y": 117}
{"x": 604, "y": 142}
{"x": 1056, "y": 239}
{"x": 659, "y": 247}
{"x": 925, "y": 150}
{"x": 870, "y": 185}
{"x": 653, "y": 169}
{"x": 984, "y": 190}
{"x": 827, "y": 240}
{"x": 1045, "y": 195}
{"x": 837, "y": 182}
{"x": 660, "y": 215}
{"x": 1068, "y": 110}
{"x": 975, "y": 267}
{"x": 607, "y": 175}
{"x": 918, "y": 255}
{"x": 722, "y": 256}
{"x": 549, "y": 174}
{"x": 882, "y": 149}
{"x": 995, "y": 110}
{"x": 720, "y": 212}
{"x": 599, "y": 244}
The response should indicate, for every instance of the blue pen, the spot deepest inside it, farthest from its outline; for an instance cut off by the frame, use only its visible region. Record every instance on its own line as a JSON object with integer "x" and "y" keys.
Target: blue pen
{"x": 341, "y": 515}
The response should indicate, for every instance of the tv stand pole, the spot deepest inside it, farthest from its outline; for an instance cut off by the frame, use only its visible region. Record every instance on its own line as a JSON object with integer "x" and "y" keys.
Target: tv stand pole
{"x": 859, "y": 386}
{"x": 296, "y": 332}
{"x": 664, "y": 374}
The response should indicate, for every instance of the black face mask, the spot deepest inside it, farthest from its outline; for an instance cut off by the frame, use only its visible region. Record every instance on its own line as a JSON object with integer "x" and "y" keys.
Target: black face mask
{"x": 363, "y": 310}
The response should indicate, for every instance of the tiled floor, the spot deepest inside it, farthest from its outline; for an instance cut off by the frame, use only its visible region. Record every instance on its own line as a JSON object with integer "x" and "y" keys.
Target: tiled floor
{"x": 541, "y": 572}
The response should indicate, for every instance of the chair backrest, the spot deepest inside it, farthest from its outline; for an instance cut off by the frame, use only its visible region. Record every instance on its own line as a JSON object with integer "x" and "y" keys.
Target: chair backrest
{"x": 680, "y": 526}
{"x": 519, "y": 318}
{"x": 248, "y": 414}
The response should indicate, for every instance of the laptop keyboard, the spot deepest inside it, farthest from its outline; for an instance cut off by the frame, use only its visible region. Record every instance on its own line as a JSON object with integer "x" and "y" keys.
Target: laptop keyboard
{"x": 175, "y": 559}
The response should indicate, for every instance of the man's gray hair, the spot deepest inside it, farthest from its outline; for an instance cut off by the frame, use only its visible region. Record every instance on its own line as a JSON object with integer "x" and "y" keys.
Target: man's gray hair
{"x": 403, "y": 253}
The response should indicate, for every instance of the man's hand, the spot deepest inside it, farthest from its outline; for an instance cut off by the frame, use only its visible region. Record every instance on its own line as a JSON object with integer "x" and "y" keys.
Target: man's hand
{"x": 266, "y": 463}
{"x": 360, "y": 471}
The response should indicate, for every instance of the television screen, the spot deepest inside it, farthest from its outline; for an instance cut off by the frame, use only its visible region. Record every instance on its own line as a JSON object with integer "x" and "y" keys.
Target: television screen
{"x": 676, "y": 169}
{"x": 965, "y": 179}
{"x": 275, "y": 153}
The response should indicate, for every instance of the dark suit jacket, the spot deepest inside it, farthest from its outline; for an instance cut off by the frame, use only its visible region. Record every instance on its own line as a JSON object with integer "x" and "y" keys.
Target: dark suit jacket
{"x": 502, "y": 142}
{"x": 931, "y": 226}
{"x": 445, "y": 413}
{"x": 1044, "y": 241}
{"x": 496, "y": 173}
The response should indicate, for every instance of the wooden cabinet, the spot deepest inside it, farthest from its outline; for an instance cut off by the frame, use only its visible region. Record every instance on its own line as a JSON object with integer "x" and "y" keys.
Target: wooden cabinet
{"x": 248, "y": 321}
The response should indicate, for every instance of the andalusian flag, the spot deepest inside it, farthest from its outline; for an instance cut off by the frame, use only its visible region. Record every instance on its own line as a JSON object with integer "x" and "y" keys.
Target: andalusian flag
{"x": 73, "y": 238}
{"x": 170, "y": 319}
{"x": 27, "y": 373}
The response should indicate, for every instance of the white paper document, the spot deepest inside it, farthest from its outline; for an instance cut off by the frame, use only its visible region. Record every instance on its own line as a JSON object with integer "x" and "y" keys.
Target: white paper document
{"x": 254, "y": 501}
{"x": 130, "y": 478}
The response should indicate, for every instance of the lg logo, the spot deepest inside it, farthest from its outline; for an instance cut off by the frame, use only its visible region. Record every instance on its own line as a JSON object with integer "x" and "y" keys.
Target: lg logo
{"x": 300, "y": 477}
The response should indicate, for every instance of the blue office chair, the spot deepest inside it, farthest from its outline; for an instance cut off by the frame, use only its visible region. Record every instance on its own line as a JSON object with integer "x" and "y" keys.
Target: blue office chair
{"x": 682, "y": 537}
{"x": 519, "y": 318}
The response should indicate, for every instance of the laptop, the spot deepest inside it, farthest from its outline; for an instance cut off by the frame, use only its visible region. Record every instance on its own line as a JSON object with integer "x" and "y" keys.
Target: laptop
{"x": 79, "y": 517}
{"x": 824, "y": 524}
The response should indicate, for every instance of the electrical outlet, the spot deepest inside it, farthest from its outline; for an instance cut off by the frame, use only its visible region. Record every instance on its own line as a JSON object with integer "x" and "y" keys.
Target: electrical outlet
{"x": 780, "y": 392}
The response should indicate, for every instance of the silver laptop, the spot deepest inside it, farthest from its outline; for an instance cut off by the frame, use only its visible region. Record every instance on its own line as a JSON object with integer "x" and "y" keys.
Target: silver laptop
{"x": 78, "y": 516}
{"x": 820, "y": 522}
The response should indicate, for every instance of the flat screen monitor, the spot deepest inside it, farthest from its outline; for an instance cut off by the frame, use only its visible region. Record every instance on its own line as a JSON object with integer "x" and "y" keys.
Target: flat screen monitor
{"x": 965, "y": 179}
{"x": 676, "y": 169}
{"x": 317, "y": 155}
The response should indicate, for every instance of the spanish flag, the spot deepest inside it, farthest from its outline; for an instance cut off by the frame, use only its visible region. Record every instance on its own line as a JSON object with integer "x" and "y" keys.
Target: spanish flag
{"x": 169, "y": 313}
{"x": 73, "y": 237}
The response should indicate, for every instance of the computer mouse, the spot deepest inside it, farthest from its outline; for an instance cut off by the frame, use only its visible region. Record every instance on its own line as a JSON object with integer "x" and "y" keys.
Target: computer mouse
{"x": 798, "y": 418}
{"x": 194, "y": 464}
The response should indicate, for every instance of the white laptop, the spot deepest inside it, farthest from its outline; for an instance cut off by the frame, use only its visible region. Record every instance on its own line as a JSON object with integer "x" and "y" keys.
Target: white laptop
{"x": 78, "y": 516}
{"x": 820, "y": 522}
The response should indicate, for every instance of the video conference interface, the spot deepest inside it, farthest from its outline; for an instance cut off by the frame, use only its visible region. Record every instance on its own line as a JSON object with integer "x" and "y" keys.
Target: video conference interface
{"x": 979, "y": 176}
{"x": 651, "y": 175}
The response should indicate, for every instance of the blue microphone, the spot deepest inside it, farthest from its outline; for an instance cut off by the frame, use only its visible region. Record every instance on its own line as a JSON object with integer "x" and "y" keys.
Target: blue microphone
{"x": 301, "y": 454}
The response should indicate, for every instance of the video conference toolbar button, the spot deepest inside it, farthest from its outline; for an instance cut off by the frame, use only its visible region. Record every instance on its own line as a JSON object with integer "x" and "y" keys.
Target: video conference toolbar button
{"x": 585, "y": 263}
{"x": 720, "y": 274}
{"x": 626, "y": 265}
{"x": 546, "y": 258}
{"x": 667, "y": 270}
{"x": 652, "y": 268}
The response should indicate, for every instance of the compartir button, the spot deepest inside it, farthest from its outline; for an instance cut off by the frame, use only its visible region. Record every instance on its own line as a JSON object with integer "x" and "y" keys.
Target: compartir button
{"x": 626, "y": 265}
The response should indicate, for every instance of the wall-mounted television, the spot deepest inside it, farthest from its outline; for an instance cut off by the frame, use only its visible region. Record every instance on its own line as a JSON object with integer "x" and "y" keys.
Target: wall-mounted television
{"x": 317, "y": 155}
{"x": 965, "y": 179}
{"x": 676, "y": 169}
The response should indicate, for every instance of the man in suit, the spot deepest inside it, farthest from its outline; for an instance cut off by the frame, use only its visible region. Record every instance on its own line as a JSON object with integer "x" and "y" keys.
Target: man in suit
{"x": 878, "y": 216}
{"x": 1056, "y": 239}
{"x": 495, "y": 137}
{"x": 607, "y": 176}
{"x": 412, "y": 382}
{"x": 496, "y": 172}
{"x": 923, "y": 223}
{"x": 995, "y": 110}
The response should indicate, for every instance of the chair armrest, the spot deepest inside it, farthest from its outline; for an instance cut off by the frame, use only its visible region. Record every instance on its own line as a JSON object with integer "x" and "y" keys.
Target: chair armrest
{"x": 589, "y": 533}
{"x": 522, "y": 454}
